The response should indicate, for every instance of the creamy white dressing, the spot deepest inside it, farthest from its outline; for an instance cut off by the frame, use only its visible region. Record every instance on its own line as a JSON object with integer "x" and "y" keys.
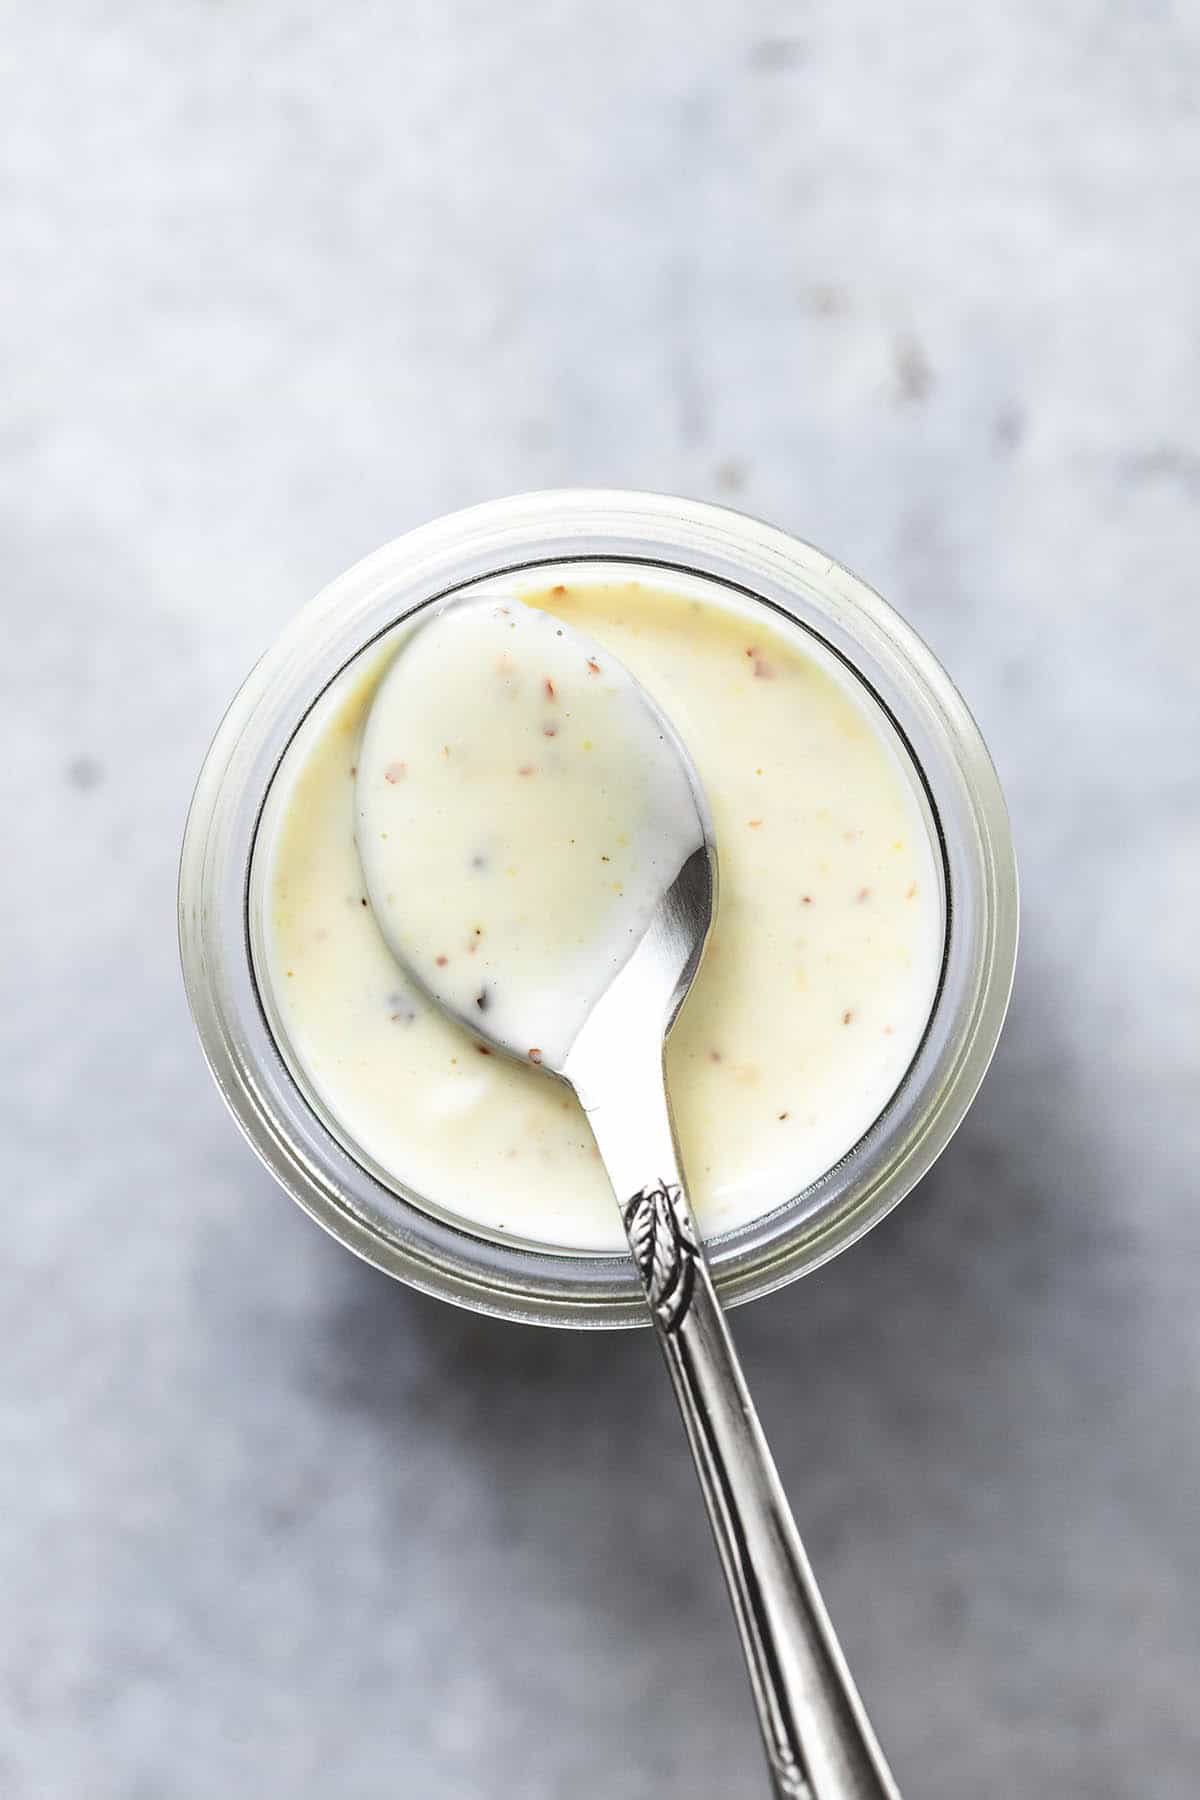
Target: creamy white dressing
{"x": 812, "y": 998}
{"x": 521, "y": 809}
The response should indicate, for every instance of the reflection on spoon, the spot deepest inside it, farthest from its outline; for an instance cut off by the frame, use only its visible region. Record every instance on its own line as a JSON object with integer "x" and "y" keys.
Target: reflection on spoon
{"x": 539, "y": 855}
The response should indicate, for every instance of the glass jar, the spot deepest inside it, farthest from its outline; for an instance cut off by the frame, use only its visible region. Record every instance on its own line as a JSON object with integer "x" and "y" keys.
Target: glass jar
{"x": 531, "y": 537}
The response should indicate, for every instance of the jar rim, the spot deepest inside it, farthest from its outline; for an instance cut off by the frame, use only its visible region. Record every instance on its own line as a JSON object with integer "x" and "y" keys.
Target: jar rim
{"x": 516, "y": 536}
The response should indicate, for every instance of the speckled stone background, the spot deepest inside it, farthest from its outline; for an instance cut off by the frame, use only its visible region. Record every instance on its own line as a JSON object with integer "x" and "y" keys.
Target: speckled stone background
{"x": 922, "y": 285}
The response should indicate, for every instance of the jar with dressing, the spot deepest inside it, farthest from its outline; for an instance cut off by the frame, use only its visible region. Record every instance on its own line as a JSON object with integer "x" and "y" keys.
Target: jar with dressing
{"x": 858, "y": 970}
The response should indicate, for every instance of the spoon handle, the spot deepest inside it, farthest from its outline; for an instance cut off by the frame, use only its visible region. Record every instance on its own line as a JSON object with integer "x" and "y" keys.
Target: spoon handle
{"x": 819, "y": 1741}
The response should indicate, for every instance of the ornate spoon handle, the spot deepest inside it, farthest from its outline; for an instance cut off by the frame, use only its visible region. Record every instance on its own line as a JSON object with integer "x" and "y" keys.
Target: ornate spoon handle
{"x": 818, "y": 1739}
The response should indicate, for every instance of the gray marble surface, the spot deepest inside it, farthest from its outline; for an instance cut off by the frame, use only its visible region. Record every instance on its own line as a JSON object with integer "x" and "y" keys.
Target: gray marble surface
{"x": 921, "y": 285}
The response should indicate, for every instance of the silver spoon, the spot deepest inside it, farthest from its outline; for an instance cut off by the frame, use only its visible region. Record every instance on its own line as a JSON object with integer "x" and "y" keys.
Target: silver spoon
{"x": 818, "y": 1739}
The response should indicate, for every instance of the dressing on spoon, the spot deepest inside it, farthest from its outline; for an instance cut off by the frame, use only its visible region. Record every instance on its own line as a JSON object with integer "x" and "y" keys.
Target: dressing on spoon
{"x": 521, "y": 807}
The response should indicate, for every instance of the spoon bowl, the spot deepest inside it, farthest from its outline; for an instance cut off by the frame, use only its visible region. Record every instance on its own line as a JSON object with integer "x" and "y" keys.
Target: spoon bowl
{"x": 542, "y": 764}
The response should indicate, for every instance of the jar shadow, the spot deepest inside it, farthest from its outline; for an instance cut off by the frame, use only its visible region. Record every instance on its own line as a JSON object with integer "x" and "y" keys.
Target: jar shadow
{"x": 918, "y": 1393}
{"x": 862, "y": 1372}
